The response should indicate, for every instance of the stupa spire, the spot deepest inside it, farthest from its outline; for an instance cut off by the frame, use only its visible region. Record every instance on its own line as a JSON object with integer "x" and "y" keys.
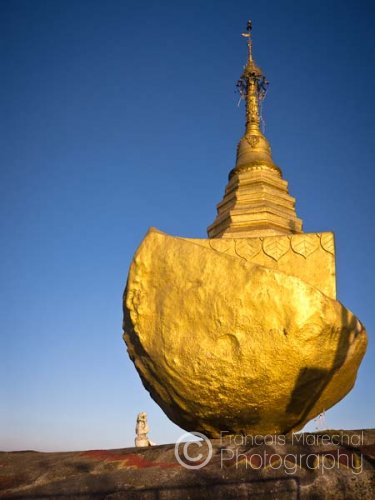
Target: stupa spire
{"x": 256, "y": 201}
{"x": 247, "y": 35}
{"x": 252, "y": 87}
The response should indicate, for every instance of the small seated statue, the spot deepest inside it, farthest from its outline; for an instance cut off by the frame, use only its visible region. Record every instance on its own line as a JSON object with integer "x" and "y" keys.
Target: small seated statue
{"x": 141, "y": 431}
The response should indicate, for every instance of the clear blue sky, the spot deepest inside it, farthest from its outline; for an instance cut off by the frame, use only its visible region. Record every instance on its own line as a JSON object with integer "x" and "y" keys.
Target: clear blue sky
{"x": 120, "y": 115}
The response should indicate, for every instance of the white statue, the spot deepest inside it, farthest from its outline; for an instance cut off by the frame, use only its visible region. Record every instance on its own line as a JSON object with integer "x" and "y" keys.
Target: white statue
{"x": 141, "y": 430}
{"x": 321, "y": 421}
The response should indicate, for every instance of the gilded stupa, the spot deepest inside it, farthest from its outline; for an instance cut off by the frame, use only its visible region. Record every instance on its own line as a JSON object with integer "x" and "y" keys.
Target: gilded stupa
{"x": 241, "y": 332}
{"x": 256, "y": 198}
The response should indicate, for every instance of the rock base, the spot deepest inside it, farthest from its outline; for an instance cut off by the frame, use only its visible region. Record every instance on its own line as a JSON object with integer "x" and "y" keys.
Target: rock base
{"x": 329, "y": 464}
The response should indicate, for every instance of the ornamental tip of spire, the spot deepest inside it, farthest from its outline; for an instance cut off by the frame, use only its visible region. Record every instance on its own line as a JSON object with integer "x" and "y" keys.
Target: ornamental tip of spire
{"x": 253, "y": 148}
{"x": 252, "y": 73}
{"x": 247, "y": 35}
{"x": 250, "y": 66}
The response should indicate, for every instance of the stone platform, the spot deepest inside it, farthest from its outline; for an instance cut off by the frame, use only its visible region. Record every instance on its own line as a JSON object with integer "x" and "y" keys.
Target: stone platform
{"x": 329, "y": 464}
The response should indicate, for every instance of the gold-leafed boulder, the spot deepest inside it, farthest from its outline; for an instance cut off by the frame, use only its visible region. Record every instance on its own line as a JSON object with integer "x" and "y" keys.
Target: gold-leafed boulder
{"x": 225, "y": 345}
{"x": 241, "y": 333}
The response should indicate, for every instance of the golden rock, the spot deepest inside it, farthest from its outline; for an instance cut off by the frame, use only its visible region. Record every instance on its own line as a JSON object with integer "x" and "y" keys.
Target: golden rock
{"x": 241, "y": 332}
{"x": 223, "y": 344}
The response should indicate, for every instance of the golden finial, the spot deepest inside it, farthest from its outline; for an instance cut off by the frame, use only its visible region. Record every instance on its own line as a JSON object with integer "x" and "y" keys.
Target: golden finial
{"x": 253, "y": 148}
{"x": 252, "y": 84}
{"x": 247, "y": 35}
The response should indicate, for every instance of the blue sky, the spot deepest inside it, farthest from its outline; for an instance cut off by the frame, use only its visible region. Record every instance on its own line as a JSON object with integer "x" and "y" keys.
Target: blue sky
{"x": 120, "y": 115}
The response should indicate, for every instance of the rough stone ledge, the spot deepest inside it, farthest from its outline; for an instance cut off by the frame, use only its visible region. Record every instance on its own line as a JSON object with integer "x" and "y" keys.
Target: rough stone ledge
{"x": 328, "y": 464}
